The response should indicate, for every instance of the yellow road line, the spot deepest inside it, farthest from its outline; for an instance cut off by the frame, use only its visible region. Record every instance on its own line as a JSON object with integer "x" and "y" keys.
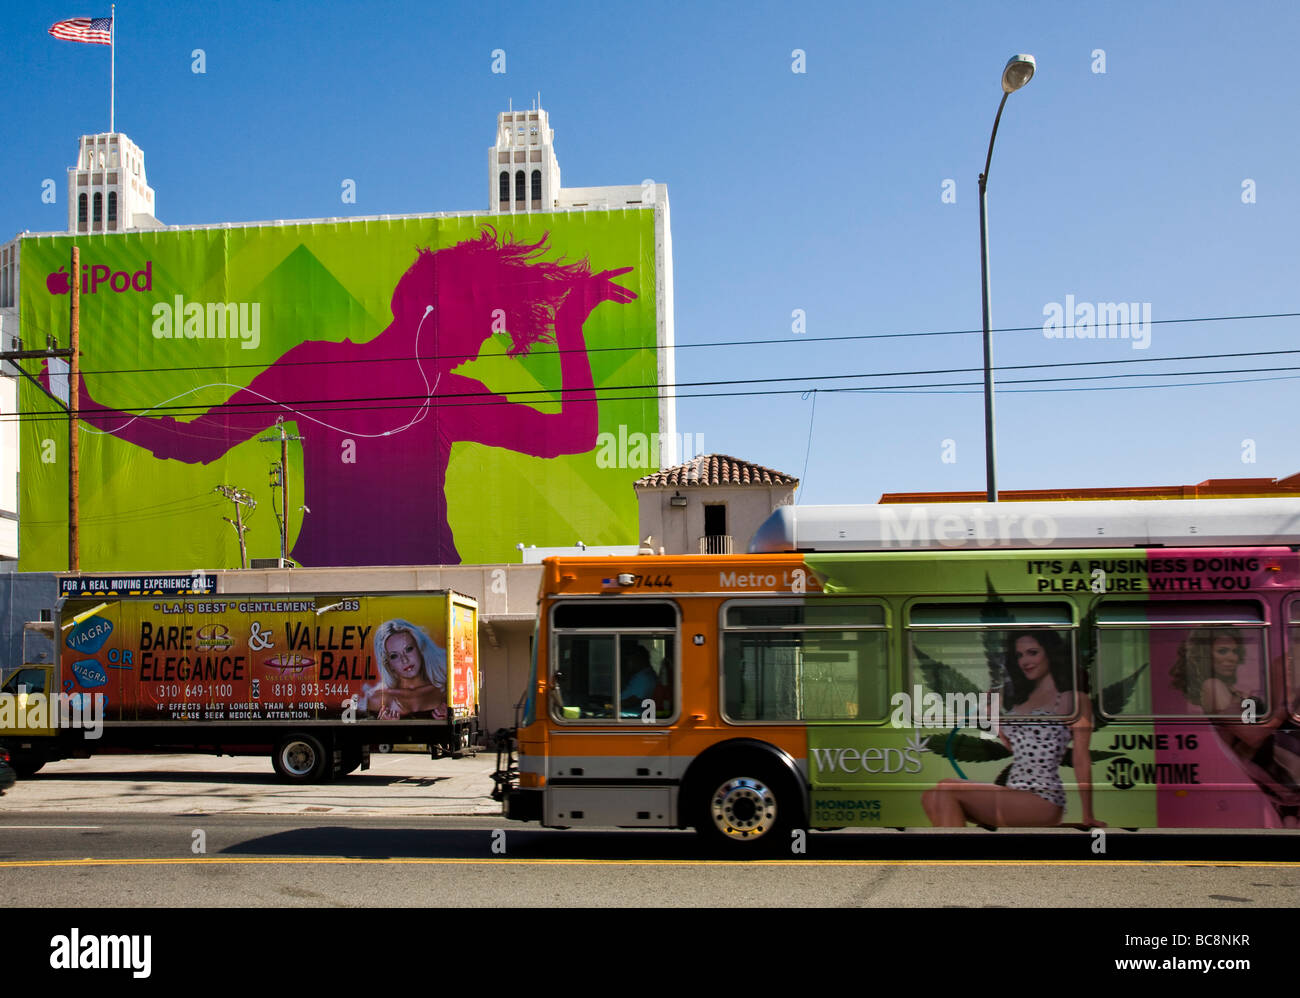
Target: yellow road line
{"x": 509, "y": 860}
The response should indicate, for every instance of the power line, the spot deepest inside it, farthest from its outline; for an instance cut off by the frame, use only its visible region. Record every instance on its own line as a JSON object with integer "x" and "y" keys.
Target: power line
{"x": 405, "y": 403}
{"x": 607, "y": 392}
{"x": 129, "y": 516}
{"x": 793, "y": 340}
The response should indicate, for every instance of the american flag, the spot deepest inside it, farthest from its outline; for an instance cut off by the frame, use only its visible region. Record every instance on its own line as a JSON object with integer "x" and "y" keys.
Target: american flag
{"x": 95, "y": 30}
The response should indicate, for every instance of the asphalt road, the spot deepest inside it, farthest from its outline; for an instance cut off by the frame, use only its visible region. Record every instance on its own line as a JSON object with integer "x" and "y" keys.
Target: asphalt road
{"x": 95, "y": 859}
{"x": 181, "y": 831}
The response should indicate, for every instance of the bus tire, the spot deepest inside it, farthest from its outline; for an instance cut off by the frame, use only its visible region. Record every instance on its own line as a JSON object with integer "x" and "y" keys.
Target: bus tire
{"x": 301, "y": 758}
{"x": 750, "y": 808}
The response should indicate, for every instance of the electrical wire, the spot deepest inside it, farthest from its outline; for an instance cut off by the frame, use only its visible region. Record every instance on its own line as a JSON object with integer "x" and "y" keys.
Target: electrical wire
{"x": 613, "y": 393}
{"x": 951, "y": 388}
{"x": 795, "y": 340}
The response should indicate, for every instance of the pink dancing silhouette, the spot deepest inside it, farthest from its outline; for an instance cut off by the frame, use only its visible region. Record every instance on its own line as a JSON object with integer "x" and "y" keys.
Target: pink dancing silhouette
{"x": 398, "y": 398}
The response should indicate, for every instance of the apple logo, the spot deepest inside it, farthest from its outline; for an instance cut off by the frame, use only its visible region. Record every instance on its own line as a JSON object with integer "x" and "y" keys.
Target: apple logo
{"x": 58, "y": 283}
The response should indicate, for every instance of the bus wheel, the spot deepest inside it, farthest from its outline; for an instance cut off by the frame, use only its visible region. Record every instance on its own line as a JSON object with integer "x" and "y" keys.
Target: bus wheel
{"x": 301, "y": 758}
{"x": 751, "y": 813}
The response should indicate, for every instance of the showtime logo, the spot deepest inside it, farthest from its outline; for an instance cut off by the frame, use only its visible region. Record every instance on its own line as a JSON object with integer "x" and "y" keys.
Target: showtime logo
{"x": 93, "y": 275}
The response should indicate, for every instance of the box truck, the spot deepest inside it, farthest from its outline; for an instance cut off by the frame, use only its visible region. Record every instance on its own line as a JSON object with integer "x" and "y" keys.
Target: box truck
{"x": 313, "y": 680}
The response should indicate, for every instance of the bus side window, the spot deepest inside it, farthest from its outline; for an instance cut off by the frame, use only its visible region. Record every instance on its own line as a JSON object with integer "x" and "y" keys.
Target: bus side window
{"x": 969, "y": 654}
{"x": 1293, "y": 658}
{"x": 1182, "y": 660}
{"x": 786, "y": 660}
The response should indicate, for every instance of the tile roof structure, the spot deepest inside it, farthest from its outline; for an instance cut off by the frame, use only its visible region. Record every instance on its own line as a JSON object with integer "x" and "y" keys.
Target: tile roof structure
{"x": 715, "y": 469}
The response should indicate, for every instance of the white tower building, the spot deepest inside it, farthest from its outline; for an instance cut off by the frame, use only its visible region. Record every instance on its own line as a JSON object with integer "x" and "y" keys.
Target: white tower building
{"x": 107, "y": 189}
{"x": 523, "y": 174}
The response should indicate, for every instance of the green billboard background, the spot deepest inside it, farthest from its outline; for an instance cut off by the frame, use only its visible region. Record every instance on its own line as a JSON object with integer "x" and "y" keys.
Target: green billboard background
{"x": 317, "y": 283}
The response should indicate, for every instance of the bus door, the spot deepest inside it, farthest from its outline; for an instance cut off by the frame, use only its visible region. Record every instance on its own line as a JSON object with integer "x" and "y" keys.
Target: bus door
{"x": 613, "y": 700}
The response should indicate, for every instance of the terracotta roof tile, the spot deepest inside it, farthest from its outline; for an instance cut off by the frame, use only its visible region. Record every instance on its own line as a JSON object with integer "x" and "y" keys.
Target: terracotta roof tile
{"x": 716, "y": 469}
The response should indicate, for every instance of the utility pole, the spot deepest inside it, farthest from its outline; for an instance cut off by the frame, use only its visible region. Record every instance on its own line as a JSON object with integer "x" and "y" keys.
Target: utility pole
{"x": 74, "y": 399}
{"x": 283, "y": 482}
{"x": 240, "y": 498}
{"x": 50, "y": 353}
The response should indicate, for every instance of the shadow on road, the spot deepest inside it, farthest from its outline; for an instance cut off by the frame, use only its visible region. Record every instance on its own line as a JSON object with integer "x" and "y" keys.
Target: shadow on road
{"x": 494, "y": 844}
{"x": 358, "y": 780}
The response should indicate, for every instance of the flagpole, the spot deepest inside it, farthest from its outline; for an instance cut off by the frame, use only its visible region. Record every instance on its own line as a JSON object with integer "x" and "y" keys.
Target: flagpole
{"x": 112, "y": 64}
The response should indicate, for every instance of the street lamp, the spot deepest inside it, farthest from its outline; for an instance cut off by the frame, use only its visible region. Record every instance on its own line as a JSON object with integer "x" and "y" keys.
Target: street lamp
{"x": 1018, "y": 71}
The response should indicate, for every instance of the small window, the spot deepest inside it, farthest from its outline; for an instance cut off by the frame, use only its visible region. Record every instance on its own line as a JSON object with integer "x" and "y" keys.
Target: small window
{"x": 99, "y": 208}
{"x": 503, "y": 187}
{"x": 614, "y": 614}
{"x": 990, "y": 615}
{"x": 715, "y": 520}
{"x": 82, "y": 202}
{"x": 537, "y": 185}
{"x": 31, "y": 680}
{"x": 112, "y": 207}
{"x": 520, "y": 192}
{"x": 824, "y": 613}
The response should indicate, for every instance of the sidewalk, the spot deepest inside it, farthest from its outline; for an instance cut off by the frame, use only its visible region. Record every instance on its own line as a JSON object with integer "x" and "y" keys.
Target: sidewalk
{"x": 398, "y": 783}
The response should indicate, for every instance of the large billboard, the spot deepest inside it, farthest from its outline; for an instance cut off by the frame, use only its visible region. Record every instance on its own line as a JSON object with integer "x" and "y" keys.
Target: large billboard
{"x": 443, "y": 382}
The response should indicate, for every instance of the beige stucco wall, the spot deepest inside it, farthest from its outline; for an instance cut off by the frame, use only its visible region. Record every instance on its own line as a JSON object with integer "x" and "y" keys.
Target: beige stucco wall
{"x": 679, "y": 529}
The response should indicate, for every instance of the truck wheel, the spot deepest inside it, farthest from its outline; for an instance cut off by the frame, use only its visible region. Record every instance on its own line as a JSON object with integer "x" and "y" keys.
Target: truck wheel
{"x": 463, "y": 739}
{"x": 750, "y": 810}
{"x": 351, "y": 759}
{"x": 301, "y": 758}
{"x": 25, "y": 766}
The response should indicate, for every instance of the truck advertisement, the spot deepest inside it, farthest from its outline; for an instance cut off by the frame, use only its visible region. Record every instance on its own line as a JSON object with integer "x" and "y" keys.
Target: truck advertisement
{"x": 297, "y": 672}
{"x": 267, "y": 657}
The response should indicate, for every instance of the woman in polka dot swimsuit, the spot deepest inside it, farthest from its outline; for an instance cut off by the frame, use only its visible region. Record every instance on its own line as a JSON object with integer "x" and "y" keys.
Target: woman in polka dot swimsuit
{"x": 1039, "y": 667}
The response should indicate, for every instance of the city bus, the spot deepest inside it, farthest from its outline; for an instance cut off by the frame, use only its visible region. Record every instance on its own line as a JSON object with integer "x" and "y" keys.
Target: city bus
{"x": 1115, "y": 663}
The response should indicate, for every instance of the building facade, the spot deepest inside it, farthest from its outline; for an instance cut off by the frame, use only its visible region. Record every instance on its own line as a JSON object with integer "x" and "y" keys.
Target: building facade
{"x": 276, "y": 312}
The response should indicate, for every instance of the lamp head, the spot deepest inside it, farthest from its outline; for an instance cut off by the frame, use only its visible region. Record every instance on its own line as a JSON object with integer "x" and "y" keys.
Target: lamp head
{"x": 1018, "y": 71}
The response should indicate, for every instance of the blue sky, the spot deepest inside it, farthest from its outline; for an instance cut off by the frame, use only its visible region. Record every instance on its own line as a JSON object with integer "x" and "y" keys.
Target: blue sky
{"x": 818, "y": 191}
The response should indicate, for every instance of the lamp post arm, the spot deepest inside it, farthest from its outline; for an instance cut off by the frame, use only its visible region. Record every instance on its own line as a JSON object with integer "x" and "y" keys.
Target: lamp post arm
{"x": 984, "y": 177}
